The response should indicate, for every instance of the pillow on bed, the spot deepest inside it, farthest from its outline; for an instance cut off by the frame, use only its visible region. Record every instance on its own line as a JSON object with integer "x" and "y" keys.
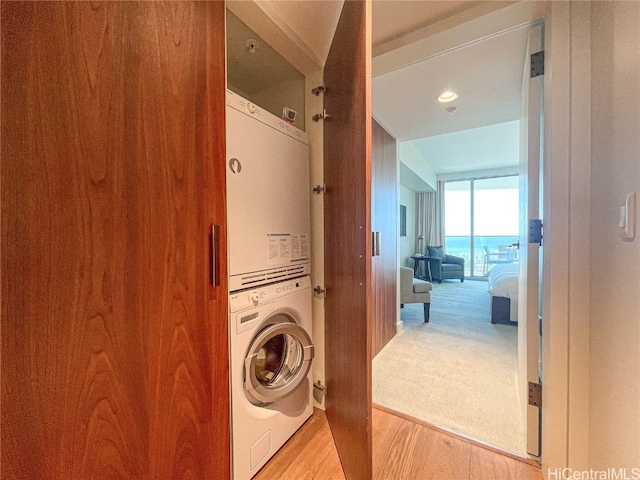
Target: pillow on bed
{"x": 437, "y": 252}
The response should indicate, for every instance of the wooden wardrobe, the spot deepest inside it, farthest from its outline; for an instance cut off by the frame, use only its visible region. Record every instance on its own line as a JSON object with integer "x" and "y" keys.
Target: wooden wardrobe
{"x": 114, "y": 333}
{"x": 114, "y": 330}
{"x": 384, "y": 220}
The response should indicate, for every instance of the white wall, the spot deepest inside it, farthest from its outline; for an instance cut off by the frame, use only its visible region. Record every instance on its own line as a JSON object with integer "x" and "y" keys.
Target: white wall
{"x": 315, "y": 132}
{"x": 407, "y": 245}
{"x": 289, "y": 93}
{"x": 411, "y": 158}
{"x": 614, "y": 418}
{"x": 488, "y": 173}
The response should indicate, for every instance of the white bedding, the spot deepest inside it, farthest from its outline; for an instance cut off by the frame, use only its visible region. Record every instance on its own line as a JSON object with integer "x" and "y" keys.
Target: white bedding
{"x": 503, "y": 282}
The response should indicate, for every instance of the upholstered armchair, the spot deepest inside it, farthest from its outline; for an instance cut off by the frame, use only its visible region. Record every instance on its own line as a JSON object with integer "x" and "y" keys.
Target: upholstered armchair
{"x": 413, "y": 290}
{"x": 444, "y": 266}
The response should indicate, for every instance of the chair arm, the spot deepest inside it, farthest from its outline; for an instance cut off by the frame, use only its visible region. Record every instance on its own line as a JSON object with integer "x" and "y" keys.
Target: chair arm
{"x": 435, "y": 263}
{"x": 406, "y": 279}
{"x": 453, "y": 259}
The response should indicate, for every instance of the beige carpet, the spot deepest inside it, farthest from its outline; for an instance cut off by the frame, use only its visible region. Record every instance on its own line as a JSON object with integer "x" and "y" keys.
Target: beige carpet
{"x": 458, "y": 371}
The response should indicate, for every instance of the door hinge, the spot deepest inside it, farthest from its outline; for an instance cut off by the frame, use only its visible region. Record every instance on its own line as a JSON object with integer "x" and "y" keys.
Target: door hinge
{"x": 321, "y": 116}
{"x": 321, "y": 292}
{"x": 319, "y": 386}
{"x": 537, "y": 64}
{"x": 318, "y": 90}
{"x": 320, "y": 189}
{"x": 535, "y": 394}
{"x": 535, "y": 231}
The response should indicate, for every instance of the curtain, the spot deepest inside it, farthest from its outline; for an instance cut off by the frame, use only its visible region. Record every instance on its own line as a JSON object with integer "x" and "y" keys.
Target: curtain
{"x": 430, "y": 218}
{"x": 438, "y": 236}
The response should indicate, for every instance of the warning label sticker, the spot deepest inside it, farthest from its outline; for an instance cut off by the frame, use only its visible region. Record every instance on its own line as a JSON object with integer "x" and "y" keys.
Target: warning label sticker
{"x": 287, "y": 247}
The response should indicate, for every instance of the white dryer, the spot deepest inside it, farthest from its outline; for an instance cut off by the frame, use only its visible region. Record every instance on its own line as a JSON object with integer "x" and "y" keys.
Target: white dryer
{"x": 268, "y": 189}
{"x": 271, "y": 385}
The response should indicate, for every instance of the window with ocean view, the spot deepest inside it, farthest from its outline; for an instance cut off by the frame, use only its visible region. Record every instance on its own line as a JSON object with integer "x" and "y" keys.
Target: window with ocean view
{"x": 479, "y": 213}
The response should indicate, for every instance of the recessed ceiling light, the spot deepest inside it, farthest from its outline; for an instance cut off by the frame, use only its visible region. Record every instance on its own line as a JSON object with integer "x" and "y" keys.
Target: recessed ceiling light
{"x": 447, "y": 97}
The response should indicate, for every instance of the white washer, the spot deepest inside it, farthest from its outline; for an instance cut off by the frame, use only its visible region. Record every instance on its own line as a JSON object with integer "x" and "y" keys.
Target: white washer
{"x": 271, "y": 385}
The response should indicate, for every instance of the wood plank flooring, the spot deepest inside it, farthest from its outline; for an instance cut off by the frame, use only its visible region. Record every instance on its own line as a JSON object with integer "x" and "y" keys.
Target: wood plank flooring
{"x": 402, "y": 450}
{"x": 310, "y": 453}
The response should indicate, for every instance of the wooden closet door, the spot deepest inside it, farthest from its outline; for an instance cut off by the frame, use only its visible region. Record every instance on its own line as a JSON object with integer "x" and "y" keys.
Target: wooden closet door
{"x": 347, "y": 210}
{"x": 114, "y": 341}
{"x": 384, "y": 219}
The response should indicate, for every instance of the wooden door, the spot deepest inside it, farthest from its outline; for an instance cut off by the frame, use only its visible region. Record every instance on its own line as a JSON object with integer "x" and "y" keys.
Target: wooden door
{"x": 347, "y": 170}
{"x": 384, "y": 215}
{"x": 114, "y": 341}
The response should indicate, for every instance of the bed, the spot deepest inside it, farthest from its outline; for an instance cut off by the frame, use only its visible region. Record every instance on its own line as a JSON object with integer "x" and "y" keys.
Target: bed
{"x": 503, "y": 288}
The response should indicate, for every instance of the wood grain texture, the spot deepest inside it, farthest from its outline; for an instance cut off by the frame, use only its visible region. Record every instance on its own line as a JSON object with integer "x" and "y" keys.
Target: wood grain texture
{"x": 347, "y": 170}
{"x": 486, "y": 465}
{"x": 440, "y": 456}
{"x": 384, "y": 215}
{"x": 113, "y": 342}
{"x": 464, "y": 438}
{"x": 402, "y": 450}
{"x": 213, "y": 135}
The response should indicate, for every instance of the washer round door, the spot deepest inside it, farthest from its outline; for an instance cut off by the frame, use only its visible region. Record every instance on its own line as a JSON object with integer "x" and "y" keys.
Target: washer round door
{"x": 278, "y": 361}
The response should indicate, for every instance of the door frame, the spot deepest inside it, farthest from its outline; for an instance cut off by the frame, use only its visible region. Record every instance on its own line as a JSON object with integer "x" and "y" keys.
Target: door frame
{"x": 566, "y": 183}
{"x": 532, "y": 192}
{"x": 567, "y": 133}
{"x": 566, "y": 159}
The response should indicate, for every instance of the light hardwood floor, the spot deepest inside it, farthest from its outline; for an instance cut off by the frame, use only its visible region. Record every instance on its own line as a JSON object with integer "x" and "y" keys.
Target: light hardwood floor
{"x": 310, "y": 453}
{"x": 402, "y": 449}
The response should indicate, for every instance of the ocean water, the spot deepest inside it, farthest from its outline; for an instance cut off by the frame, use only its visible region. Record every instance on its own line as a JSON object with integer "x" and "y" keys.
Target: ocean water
{"x": 463, "y": 244}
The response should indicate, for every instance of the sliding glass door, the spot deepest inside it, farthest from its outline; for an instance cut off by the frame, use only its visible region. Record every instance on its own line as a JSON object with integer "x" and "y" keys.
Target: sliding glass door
{"x": 495, "y": 225}
{"x": 481, "y": 222}
{"x": 458, "y": 221}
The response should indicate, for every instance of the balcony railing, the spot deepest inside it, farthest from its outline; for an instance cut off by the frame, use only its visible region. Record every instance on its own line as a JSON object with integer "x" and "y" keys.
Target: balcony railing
{"x": 460, "y": 246}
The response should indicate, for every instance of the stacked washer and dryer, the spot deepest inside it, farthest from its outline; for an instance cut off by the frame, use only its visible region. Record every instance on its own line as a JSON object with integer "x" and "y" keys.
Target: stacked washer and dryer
{"x": 268, "y": 218}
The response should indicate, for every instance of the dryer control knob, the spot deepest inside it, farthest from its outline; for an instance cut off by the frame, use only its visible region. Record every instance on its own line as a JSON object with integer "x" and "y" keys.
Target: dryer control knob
{"x": 255, "y": 297}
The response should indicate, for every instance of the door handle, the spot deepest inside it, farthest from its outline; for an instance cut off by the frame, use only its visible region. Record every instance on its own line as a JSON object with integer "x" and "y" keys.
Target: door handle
{"x": 215, "y": 234}
{"x": 375, "y": 242}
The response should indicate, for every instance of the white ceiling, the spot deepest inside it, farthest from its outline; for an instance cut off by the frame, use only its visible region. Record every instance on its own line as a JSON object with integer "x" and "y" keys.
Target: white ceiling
{"x": 486, "y": 72}
{"x": 393, "y": 19}
{"x": 483, "y": 131}
{"x": 487, "y": 77}
{"x": 483, "y": 148}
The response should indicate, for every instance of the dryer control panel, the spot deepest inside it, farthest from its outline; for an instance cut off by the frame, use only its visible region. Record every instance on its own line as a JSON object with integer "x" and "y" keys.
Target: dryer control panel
{"x": 254, "y": 297}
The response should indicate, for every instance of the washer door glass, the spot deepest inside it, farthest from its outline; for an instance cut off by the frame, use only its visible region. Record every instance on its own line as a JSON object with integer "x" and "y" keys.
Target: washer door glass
{"x": 278, "y": 361}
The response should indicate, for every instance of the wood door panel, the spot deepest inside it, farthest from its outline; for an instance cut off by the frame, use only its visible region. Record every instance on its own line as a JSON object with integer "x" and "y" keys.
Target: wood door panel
{"x": 110, "y": 124}
{"x": 212, "y": 141}
{"x": 384, "y": 199}
{"x": 347, "y": 169}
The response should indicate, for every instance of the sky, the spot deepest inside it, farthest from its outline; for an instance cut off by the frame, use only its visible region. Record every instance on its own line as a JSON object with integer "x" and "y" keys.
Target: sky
{"x": 496, "y": 211}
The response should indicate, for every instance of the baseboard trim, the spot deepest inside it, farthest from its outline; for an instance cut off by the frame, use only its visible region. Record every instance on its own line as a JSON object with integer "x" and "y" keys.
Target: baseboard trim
{"x": 486, "y": 446}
